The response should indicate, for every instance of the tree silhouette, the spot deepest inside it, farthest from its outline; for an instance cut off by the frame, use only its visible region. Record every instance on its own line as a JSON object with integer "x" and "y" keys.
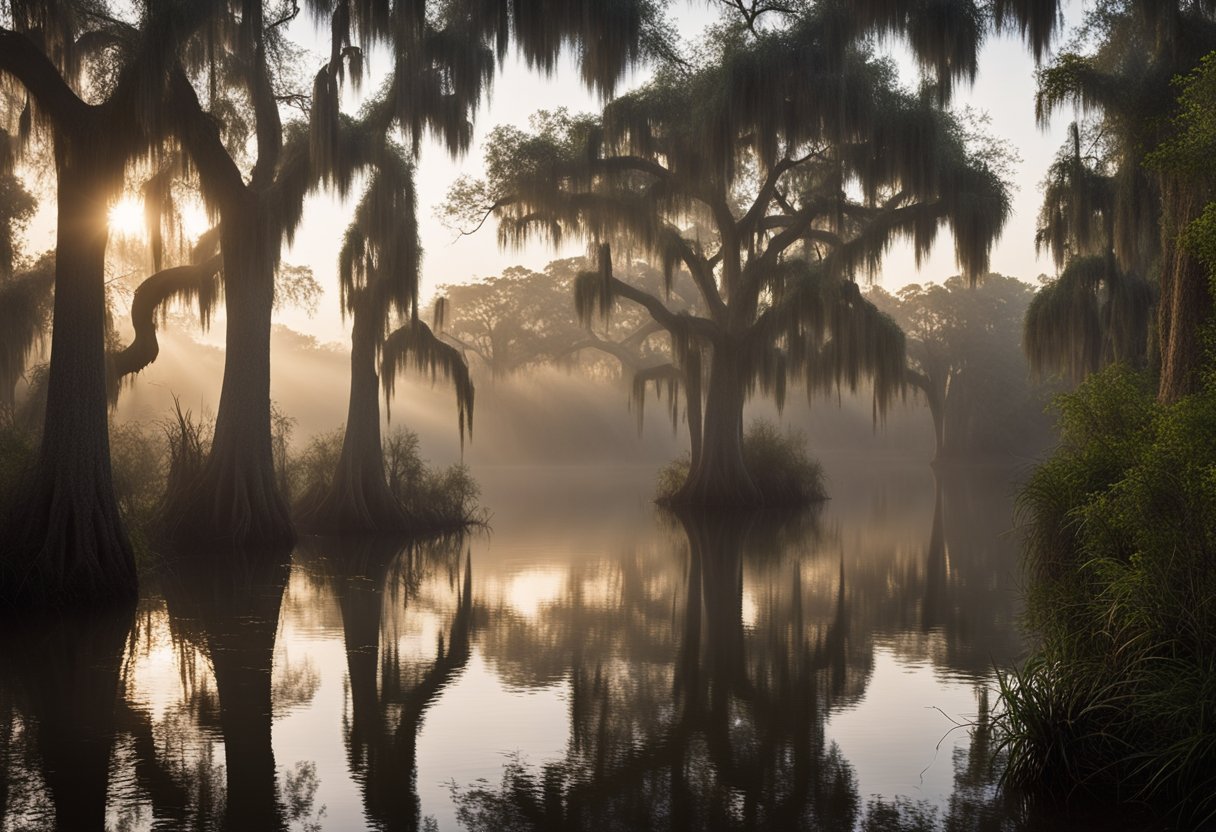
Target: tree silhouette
{"x": 229, "y": 608}
{"x": 738, "y": 169}
{"x": 389, "y": 696}
{"x": 705, "y": 724}
{"x": 1126, "y": 76}
{"x": 1096, "y": 311}
{"x": 964, "y": 357}
{"x": 378, "y": 276}
{"x": 65, "y": 540}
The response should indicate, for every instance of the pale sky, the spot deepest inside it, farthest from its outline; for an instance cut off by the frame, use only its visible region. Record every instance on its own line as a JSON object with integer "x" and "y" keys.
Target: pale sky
{"x": 1004, "y": 89}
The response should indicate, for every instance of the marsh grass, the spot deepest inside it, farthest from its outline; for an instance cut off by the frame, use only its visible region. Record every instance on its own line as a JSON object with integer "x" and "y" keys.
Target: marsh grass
{"x": 779, "y": 465}
{"x": 433, "y": 498}
{"x": 1119, "y": 702}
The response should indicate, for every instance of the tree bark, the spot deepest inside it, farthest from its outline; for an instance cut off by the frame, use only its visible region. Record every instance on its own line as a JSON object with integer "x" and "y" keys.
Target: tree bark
{"x": 237, "y": 501}
{"x": 692, "y": 398}
{"x": 1186, "y": 300}
{"x": 720, "y": 478}
{"x": 358, "y": 499}
{"x": 66, "y": 542}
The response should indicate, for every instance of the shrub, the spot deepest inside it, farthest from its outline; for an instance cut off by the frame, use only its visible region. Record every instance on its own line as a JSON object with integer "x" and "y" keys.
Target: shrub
{"x": 1121, "y": 553}
{"x": 778, "y": 464}
{"x": 432, "y": 498}
{"x": 139, "y": 466}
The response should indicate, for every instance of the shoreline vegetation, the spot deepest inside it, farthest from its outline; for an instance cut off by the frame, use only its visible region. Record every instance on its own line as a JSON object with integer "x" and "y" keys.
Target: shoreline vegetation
{"x": 1115, "y": 703}
{"x": 150, "y": 460}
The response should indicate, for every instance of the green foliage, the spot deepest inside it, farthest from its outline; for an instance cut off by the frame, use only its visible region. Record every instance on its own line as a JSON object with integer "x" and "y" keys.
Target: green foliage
{"x": 1121, "y": 548}
{"x": 786, "y": 476}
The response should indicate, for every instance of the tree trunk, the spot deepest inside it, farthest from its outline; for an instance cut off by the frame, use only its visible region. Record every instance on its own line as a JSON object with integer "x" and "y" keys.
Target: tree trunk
{"x": 692, "y": 395}
{"x": 720, "y": 478}
{"x": 937, "y": 411}
{"x": 66, "y": 543}
{"x": 358, "y": 499}
{"x": 237, "y": 501}
{"x": 1186, "y": 300}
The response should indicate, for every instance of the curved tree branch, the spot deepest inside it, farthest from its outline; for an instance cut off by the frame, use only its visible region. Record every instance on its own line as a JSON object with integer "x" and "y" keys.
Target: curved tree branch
{"x": 152, "y": 294}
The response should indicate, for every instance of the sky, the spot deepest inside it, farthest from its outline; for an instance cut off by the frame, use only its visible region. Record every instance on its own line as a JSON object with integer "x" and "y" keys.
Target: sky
{"x": 1004, "y": 90}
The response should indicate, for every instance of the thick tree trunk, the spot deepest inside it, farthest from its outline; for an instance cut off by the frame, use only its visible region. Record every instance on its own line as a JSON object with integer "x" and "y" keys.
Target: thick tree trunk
{"x": 358, "y": 498}
{"x": 237, "y": 501}
{"x": 66, "y": 543}
{"x": 1186, "y": 300}
{"x": 720, "y": 478}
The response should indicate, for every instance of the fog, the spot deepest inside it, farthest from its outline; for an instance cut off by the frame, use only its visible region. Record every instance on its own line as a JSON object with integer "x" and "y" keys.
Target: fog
{"x": 545, "y": 416}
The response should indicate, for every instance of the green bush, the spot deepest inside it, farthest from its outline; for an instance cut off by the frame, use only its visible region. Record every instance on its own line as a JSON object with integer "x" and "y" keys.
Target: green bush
{"x": 1121, "y": 550}
{"x": 778, "y": 463}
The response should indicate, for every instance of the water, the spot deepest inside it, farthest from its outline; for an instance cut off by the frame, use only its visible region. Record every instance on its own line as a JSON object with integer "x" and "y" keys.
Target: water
{"x": 590, "y": 663}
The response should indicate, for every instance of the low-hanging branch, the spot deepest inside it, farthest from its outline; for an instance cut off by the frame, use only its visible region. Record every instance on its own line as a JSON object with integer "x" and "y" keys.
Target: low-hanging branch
{"x": 415, "y": 345}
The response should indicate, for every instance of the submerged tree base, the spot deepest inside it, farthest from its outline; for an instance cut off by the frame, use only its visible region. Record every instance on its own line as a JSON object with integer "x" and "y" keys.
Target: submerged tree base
{"x": 782, "y": 475}
{"x": 64, "y": 546}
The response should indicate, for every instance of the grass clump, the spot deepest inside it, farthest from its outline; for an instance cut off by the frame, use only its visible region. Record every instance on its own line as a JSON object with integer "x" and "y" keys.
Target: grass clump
{"x": 431, "y": 497}
{"x": 1120, "y": 700}
{"x": 779, "y": 465}
{"x": 438, "y": 497}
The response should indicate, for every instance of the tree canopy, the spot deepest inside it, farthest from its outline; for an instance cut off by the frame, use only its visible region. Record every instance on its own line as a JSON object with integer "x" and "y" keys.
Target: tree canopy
{"x": 775, "y": 167}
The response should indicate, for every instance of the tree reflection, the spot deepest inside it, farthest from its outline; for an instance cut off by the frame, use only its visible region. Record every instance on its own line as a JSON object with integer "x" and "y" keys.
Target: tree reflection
{"x": 374, "y": 580}
{"x": 229, "y": 608}
{"x": 60, "y": 678}
{"x": 728, "y": 733}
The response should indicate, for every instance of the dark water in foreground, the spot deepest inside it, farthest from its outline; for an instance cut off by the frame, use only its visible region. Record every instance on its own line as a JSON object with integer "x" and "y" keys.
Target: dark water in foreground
{"x": 589, "y": 664}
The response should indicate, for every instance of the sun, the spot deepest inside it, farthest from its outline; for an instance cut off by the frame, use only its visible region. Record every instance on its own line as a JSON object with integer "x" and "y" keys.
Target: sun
{"x": 126, "y": 217}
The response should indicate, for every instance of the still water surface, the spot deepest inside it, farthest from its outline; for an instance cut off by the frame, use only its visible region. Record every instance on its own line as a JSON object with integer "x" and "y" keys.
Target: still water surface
{"x": 589, "y": 663}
